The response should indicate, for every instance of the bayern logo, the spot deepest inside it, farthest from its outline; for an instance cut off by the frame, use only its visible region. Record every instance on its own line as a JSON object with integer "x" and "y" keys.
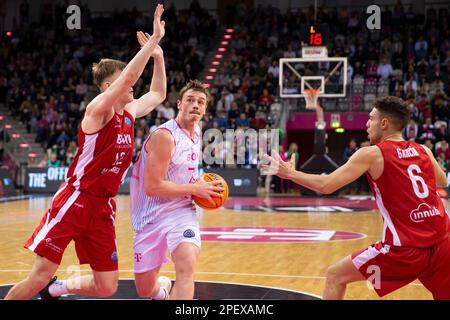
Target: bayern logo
{"x": 251, "y": 234}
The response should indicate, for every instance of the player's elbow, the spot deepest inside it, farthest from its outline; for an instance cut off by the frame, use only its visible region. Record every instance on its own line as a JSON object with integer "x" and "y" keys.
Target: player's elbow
{"x": 162, "y": 96}
{"x": 327, "y": 189}
{"x": 442, "y": 183}
{"x": 152, "y": 190}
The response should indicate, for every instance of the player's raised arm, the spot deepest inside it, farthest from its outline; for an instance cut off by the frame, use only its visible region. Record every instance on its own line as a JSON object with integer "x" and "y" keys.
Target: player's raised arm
{"x": 356, "y": 166}
{"x": 157, "y": 94}
{"x": 130, "y": 74}
{"x": 160, "y": 148}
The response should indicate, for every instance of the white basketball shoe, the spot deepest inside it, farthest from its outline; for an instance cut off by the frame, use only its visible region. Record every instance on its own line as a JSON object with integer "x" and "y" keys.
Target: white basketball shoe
{"x": 166, "y": 284}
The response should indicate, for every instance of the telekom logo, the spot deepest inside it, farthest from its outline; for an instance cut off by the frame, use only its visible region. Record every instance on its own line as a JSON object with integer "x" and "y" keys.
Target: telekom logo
{"x": 261, "y": 234}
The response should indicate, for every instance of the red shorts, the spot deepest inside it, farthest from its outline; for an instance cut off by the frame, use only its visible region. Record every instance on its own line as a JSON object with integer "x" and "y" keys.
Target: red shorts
{"x": 389, "y": 268}
{"x": 87, "y": 220}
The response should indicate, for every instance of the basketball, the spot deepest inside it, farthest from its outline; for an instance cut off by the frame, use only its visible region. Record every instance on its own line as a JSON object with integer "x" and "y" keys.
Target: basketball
{"x": 219, "y": 201}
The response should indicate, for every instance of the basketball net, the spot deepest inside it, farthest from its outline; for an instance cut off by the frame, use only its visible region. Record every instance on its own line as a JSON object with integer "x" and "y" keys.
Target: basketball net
{"x": 311, "y": 96}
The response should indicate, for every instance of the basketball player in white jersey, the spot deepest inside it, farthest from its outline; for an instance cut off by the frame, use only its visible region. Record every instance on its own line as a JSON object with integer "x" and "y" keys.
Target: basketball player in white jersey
{"x": 83, "y": 209}
{"x": 163, "y": 214}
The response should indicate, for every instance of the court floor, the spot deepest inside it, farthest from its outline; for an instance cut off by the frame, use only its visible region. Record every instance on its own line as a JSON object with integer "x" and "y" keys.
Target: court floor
{"x": 283, "y": 244}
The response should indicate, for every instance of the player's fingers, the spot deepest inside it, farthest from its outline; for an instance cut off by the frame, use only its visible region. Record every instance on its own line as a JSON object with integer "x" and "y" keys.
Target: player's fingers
{"x": 292, "y": 161}
{"x": 276, "y": 155}
{"x": 147, "y": 35}
{"x": 215, "y": 194}
{"x": 210, "y": 200}
{"x": 268, "y": 158}
{"x": 215, "y": 182}
{"x": 217, "y": 188}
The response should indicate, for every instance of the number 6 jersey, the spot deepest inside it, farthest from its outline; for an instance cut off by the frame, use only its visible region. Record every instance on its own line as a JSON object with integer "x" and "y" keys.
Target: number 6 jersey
{"x": 406, "y": 195}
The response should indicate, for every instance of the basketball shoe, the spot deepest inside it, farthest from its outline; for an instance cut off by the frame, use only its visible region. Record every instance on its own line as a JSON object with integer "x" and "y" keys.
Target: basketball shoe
{"x": 45, "y": 294}
{"x": 166, "y": 284}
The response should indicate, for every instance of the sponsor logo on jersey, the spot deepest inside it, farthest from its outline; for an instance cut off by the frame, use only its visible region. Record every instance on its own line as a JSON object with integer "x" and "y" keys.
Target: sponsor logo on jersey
{"x": 48, "y": 243}
{"x": 407, "y": 153}
{"x": 114, "y": 256}
{"x": 114, "y": 170}
{"x": 424, "y": 211}
{"x": 123, "y": 139}
{"x": 138, "y": 257}
{"x": 188, "y": 233}
{"x": 128, "y": 121}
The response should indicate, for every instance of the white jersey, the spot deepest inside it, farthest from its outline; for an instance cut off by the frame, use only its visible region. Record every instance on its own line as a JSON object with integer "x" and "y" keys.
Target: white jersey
{"x": 183, "y": 168}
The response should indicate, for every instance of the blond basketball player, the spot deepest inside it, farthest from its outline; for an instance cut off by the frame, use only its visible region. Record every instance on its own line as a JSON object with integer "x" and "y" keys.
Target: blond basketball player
{"x": 163, "y": 214}
{"x": 83, "y": 209}
{"x": 403, "y": 176}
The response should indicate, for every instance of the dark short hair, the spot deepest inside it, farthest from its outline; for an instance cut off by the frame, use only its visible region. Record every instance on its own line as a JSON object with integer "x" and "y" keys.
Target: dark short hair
{"x": 196, "y": 86}
{"x": 395, "y": 109}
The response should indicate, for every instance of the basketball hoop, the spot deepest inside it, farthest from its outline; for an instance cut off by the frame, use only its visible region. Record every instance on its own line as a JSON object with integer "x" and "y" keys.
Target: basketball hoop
{"x": 311, "y": 96}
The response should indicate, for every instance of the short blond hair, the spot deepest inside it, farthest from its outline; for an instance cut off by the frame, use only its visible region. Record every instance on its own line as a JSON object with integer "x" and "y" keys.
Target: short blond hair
{"x": 106, "y": 68}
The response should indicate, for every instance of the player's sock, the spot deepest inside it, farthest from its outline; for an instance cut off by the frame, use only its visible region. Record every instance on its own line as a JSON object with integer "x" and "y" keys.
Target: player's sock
{"x": 162, "y": 294}
{"x": 58, "y": 288}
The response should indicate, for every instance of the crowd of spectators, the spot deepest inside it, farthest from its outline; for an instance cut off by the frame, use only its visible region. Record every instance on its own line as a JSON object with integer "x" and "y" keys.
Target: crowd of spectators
{"x": 45, "y": 68}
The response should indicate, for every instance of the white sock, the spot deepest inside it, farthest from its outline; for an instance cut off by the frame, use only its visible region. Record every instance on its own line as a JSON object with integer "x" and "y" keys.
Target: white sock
{"x": 58, "y": 288}
{"x": 162, "y": 294}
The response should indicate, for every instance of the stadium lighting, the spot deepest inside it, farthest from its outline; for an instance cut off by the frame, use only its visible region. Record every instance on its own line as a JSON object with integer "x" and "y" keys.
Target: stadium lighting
{"x": 227, "y": 36}
{"x": 24, "y": 145}
{"x": 224, "y": 43}
{"x": 207, "y": 85}
{"x": 222, "y": 49}
{"x": 32, "y": 155}
{"x": 339, "y": 130}
{"x": 8, "y": 126}
{"x": 1, "y": 118}
{"x": 209, "y": 77}
{"x": 229, "y": 30}
{"x": 218, "y": 56}
{"x": 8, "y": 33}
{"x": 212, "y": 70}
{"x": 215, "y": 63}
{"x": 15, "y": 136}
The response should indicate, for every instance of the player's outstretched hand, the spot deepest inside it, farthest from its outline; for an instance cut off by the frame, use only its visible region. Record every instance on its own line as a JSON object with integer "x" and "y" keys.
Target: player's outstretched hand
{"x": 158, "y": 25}
{"x": 277, "y": 166}
{"x": 143, "y": 38}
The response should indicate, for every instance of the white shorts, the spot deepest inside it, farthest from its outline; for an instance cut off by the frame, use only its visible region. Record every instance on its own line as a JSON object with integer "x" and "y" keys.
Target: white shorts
{"x": 151, "y": 243}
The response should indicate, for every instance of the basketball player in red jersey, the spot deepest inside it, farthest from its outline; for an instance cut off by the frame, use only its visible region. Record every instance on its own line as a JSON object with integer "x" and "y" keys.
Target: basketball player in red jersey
{"x": 403, "y": 176}
{"x": 83, "y": 209}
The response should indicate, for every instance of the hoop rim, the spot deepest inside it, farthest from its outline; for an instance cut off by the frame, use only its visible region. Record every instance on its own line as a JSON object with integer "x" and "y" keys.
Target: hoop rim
{"x": 311, "y": 92}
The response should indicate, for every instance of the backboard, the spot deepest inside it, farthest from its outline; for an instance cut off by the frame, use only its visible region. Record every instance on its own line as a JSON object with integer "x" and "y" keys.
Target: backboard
{"x": 313, "y": 71}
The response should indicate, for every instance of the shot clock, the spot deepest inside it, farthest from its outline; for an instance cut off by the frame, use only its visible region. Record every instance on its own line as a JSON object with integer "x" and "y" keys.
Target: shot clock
{"x": 315, "y": 35}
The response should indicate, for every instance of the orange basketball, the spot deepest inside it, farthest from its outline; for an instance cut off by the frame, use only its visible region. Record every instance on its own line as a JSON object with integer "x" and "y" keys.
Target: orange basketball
{"x": 204, "y": 203}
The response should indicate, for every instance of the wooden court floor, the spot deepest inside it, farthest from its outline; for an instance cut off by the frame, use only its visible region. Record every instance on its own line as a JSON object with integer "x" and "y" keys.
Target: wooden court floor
{"x": 298, "y": 266}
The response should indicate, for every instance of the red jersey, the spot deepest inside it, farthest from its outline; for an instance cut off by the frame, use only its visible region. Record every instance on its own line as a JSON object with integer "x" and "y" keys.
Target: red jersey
{"x": 406, "y": 195}
{"x": 103, "y": 158}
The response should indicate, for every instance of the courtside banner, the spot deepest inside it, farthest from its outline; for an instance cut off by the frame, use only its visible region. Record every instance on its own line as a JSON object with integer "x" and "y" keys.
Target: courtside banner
{"x": 6, "y": 183}
{"x": 48, "y": 180}
{"x": 44, "y": 180}
{"x": 242, "y": 182}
